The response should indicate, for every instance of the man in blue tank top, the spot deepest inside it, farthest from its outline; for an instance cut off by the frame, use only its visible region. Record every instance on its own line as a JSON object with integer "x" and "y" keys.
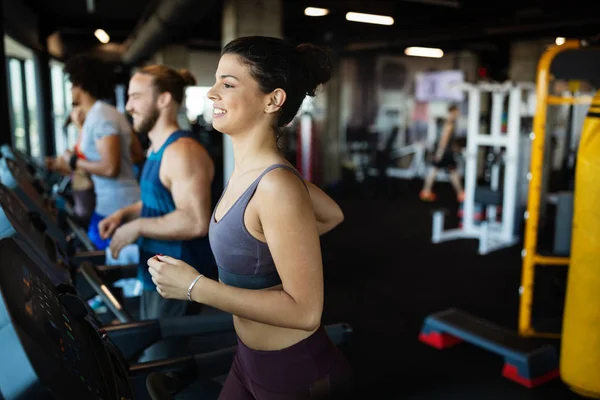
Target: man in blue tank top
{"x": 173, "y": 215}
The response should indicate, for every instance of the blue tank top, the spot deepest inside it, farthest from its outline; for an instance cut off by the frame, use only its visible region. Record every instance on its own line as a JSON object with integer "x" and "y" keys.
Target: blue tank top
{"x": 242, "y": 260}
{"x": 158, "y": 201}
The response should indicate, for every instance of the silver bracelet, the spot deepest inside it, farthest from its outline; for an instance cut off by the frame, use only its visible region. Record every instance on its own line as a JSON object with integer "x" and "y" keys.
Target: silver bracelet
{"x": 189, "y": 293}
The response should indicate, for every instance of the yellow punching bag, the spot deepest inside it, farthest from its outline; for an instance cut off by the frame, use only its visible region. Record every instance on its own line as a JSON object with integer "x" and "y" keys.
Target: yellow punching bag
{"x": 580, "y": 350}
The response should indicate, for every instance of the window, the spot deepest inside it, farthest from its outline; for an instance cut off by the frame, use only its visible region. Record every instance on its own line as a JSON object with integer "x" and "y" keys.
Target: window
{"x": 61, "y": 106}
{"x": 197, "y": 104}
{"x": 23, "y": 101}
{"x": 32, "y": 110}
{"x": 17, "y": 105}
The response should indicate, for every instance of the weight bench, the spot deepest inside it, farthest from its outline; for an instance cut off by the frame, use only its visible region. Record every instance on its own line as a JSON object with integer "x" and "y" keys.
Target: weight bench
{"x": 525, "y": 362}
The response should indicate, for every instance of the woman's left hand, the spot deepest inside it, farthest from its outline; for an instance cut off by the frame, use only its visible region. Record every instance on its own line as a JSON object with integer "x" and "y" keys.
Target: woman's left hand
{"x": 172, "y": 277}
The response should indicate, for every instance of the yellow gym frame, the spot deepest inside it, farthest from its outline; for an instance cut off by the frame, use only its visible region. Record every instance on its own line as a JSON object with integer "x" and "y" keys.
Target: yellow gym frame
{"x": 531, "y": 258}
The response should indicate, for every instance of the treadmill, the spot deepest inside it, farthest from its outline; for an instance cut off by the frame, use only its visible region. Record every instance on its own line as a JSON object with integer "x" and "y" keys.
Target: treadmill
{"x": 213, "y": 328}
{"x": 53, "y": 348}
{"x": 16, "y": 174}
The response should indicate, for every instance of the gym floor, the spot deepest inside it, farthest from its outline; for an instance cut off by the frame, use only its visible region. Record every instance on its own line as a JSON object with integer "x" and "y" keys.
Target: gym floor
{"x": 384, "y": 276}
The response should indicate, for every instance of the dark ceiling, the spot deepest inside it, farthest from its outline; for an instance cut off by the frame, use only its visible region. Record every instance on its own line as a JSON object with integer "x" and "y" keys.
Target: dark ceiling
{"x": 450, "y": 24}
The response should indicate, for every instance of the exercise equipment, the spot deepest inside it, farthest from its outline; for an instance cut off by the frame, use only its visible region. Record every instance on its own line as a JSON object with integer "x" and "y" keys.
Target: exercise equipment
{"x": 29, "y": 227}
{"x": 525, "y": 362}
{"x": 35, "y": 202}
{"x": 395, "y": 157}
{"x": 570, "y": 61}
{"x": 579, "y": 362}
{"x": 580, "y": 349}
{"x": 17, "y": 175}
{"x": 53, "y": 348}
{"x": 491, "y": 234}
{"x": 210, "y": 331}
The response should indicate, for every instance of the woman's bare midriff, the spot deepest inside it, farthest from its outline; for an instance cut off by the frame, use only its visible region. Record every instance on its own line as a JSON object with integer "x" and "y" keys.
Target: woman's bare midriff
{"x": 259, "y": 336}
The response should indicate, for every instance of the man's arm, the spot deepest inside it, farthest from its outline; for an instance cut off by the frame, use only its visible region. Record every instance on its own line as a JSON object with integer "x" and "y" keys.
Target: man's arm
{"x": 109, "y": 164}
{"x": 110, "y": 224}
{"x": 131, "y": 212}
{"x": 188, "y": 172}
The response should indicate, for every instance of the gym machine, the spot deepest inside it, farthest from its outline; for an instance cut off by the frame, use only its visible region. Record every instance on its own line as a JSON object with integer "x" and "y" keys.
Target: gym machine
{"x": 510, "y": 148}
{"x": 24, "y": 179}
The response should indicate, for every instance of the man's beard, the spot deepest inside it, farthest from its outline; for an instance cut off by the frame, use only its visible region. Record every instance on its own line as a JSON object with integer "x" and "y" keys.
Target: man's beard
{"x": 149, "y": 121}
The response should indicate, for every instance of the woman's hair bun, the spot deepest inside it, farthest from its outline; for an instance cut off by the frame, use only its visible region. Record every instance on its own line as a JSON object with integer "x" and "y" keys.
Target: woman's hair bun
{"x": 318, "y": 63}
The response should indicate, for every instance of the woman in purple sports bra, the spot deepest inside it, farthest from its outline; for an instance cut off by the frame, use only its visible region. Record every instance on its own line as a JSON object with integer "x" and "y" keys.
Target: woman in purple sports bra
{"x": 265, "y": 229}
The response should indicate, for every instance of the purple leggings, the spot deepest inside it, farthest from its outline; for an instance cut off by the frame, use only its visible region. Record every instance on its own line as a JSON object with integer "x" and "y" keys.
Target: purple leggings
{"x": 313, "y": 368}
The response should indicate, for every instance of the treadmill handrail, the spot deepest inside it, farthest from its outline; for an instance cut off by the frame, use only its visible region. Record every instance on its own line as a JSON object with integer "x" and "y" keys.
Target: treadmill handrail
{"x": 96, "y": 257}
{"x": 81, "y": 235}
{"x": 158, "y": 386}
{"x": 104, "y": 292}
{"x": 209, "y": 321}
{"x": 171, "y": 375}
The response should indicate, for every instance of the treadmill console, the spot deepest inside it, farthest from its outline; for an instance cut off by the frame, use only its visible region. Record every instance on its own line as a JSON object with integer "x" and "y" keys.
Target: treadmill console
{"x": 18, "y": 181}
{"x": 51, "y": 347}
{"x": 24, "y": 180}
{"x": 31, "y": 227}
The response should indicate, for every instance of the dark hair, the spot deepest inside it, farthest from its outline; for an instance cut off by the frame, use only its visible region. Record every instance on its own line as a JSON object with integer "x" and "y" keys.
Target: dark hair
{"x": 91, "y": 74}
{"x": 275, "y": 63}
{"x": 167, "y": 80}
{"x": 452, "y": 107}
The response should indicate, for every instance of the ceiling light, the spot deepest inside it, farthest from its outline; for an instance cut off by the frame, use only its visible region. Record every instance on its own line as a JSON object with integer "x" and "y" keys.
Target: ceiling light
{"x": 560, "y": 41}
{"x": 102, "y": 36}
{"x": 370, "y": 18}
{"x": 315, "y": 12}
{"x": 424, "y": 52}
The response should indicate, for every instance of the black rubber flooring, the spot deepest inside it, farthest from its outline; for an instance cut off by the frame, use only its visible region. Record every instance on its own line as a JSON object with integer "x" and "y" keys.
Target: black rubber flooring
{"x": 384, "y": 276}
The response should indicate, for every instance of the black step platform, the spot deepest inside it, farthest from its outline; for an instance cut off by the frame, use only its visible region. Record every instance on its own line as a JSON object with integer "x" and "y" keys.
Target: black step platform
{"x": 526, "y": 362}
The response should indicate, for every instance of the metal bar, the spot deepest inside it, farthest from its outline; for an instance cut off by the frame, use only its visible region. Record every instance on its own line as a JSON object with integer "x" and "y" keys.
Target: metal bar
{"x": 542, "y": 335}
{"x": 559, "y": 100}
{"x": 81, "y": 235}
{"x": 487, "y": 140}
{"x": 438, "y": 226}
{"x": 545, "y": 260}
{"x": 535, "y": 183}
{"x": 104, "y": 292}
{"x": 497, "y": 106}
{"x": 509, "y": 201}
{"x": 471, "y": 159}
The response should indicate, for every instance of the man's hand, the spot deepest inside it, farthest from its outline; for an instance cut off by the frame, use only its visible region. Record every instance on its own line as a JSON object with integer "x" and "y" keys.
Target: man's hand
{"x": 126, "y": 234}
{"x": 109, "y": 225}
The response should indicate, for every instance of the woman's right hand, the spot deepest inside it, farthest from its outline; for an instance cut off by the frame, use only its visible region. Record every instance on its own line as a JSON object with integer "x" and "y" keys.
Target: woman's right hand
{"x": 109, "y": 225}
